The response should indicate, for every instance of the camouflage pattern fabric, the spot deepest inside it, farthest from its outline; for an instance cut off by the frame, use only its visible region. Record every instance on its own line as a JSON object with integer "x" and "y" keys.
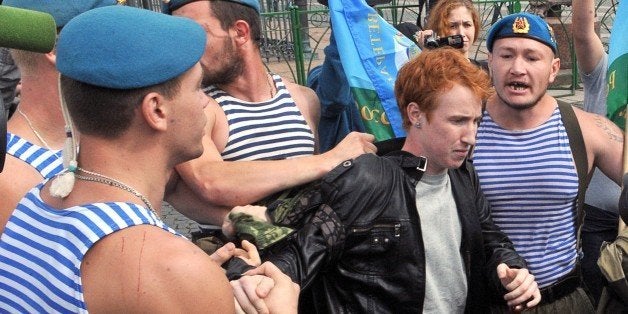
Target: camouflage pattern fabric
{"x": 288, "y": 211}
{"x": 258, "y": 232}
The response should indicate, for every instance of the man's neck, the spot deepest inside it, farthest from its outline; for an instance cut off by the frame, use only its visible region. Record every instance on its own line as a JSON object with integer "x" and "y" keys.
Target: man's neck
{"x": 140, "y": 168}
{"x": 520, "y": 119}
{"x": 253, "y": 84}
{"x": 39, "y": 114}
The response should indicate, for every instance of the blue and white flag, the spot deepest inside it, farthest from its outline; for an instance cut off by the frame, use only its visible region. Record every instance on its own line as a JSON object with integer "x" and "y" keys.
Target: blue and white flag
{"x": 371, "y": 51}
{"x": 617, "y": 76}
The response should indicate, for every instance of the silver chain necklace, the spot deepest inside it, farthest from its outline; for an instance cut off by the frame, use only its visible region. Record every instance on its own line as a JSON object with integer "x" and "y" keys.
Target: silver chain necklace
{"x": 30, "y": 125}
{"x": 99, "y": 178}
{"x": 270, "y": 86}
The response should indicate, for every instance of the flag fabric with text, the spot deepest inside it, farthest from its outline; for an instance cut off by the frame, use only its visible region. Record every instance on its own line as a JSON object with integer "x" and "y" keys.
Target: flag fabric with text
{"x": 617, "y": 76}
{"x": 371, "y": 52}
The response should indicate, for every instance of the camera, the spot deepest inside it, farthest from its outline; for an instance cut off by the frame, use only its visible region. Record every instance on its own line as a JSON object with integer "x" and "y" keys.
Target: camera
{"x": 454, "y": 41}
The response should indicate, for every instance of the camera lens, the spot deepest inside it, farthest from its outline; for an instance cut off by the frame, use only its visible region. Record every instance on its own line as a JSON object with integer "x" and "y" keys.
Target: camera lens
{"x": 431, "y": 42}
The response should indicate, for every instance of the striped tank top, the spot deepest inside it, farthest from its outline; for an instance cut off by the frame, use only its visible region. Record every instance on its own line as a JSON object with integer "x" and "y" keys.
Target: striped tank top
{"x": 42, "y": 248}
{"x": 271, "y": 130}
{"x": 47, "y": 162}
{"x": 530, "y": 179}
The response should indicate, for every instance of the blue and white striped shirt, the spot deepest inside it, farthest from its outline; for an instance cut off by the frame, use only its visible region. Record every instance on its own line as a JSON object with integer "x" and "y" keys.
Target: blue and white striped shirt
{"x": 269, "y": 130}
{"x": 47, "y": 162}
{"x": 530, "y": 180}
{"x": 42, "y": 248}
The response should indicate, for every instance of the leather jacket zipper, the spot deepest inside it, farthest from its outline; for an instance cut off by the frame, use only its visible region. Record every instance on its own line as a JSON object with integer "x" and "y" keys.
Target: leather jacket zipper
{"x": 397, "y": 228}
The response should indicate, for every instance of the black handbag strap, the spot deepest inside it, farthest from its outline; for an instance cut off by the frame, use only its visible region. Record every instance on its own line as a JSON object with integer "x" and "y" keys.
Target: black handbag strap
{"x": 4, "y": 116}
{"x": 579, "y": 153}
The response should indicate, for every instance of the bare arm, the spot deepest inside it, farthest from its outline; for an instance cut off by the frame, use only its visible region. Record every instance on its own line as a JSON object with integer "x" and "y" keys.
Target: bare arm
{"x": 604, "y": 143}
{"x": 225, "y": 184}
{"x": 587, "y": 44}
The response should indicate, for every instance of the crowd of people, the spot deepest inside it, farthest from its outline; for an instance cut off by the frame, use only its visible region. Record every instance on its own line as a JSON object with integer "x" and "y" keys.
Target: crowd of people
{"x": 497, "y": 200}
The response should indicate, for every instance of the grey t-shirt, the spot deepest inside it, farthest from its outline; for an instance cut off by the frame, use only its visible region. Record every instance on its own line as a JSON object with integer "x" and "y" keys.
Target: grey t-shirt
{"x": 445, "y": 278}
{"x": 595, "y": 88}
{"x": 602, "y": 192}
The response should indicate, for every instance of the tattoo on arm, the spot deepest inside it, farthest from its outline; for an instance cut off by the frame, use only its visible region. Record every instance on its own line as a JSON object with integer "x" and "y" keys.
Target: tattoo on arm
{"x": 602, "y": 123}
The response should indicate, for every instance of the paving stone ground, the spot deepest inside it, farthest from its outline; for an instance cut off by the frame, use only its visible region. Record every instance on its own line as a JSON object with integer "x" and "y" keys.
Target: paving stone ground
{"x": 177, "y": 221}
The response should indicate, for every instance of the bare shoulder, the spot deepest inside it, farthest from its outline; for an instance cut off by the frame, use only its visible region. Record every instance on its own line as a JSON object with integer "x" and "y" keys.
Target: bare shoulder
{"x": 16, "y": 180}
{"x": 302, "y": 93}
{"x": 307, "y": 101}
{"x": 146, "y": 268}
{"x": 596, "y": 127}
{"x": 604, "y": 143}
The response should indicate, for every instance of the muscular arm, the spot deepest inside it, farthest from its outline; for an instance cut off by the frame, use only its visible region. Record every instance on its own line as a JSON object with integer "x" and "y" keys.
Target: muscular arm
{"x": 604, "y": 142}
{"x": 225, "y": 184}
{"x": 588, "y": 46}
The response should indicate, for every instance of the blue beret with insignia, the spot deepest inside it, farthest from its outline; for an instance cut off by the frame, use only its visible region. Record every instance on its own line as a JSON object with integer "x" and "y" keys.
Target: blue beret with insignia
{"x": 61, "y": 10}
{"x": 168, "y": 6}
{"x": 124, "y": 47}
{"x": 521, "y": 25}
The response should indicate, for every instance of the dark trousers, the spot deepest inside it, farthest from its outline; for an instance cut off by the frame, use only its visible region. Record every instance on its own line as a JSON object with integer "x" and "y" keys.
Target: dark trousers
{"x": 599, "y": 226}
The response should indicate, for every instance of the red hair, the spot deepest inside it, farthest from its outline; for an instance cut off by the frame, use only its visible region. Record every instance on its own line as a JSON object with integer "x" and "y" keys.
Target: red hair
{"x": 423, "y": 78}
{"x": 437, "y": 20}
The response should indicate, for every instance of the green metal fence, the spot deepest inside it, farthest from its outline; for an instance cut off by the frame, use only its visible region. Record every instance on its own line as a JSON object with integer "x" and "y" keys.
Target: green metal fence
{"x": 309, "y": 39}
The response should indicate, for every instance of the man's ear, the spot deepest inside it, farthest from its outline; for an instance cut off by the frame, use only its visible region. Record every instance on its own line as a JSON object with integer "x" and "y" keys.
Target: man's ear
{"x": 490, "y": 64}
{"x": 242, "y": 32}
{"x": 51, "y": 56}
{"x": 414, "y": 112}
{"x": 555, "y": 68}
{"x": 155, "y": 111}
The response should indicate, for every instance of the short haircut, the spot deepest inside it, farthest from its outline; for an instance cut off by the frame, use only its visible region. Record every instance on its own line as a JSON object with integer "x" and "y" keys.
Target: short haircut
{"x": 437, "y": 19}
{"x": 26, "y": 61}
{"x": 426, "y": 76}
{"x": 105, "y": 112}
{"x": 228, "y": 12}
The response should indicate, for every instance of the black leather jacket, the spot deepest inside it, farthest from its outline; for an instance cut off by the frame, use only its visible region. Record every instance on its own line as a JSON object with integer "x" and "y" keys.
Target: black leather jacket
{"x": 365, "y": 254}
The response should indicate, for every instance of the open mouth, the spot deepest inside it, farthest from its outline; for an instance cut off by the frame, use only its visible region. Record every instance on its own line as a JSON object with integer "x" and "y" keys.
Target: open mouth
{"x": 518, "y": 85}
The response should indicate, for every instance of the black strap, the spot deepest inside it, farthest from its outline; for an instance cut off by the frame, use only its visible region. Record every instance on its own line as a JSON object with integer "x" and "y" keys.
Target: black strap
{"x": 4, "y": 115}
{"x": 579, "y": 153}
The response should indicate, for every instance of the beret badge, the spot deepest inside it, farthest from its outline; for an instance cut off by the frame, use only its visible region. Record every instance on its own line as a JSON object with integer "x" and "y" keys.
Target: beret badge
{"x": 520, "y": 25}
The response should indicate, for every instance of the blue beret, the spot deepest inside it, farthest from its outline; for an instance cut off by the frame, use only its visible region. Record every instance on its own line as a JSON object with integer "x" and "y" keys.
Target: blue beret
{"x": 168, "y": 6}
{"x": 124, "y": 47}
{"x": 61, "y": 10}
{"x": 521, "y": 25}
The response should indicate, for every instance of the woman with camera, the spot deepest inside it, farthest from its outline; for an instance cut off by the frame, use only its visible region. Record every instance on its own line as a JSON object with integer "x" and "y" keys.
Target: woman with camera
{"x": 453, "y": 23}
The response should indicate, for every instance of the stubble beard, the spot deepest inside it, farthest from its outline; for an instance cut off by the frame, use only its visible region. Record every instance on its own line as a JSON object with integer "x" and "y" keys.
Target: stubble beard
{"x": 232, "y": 66}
